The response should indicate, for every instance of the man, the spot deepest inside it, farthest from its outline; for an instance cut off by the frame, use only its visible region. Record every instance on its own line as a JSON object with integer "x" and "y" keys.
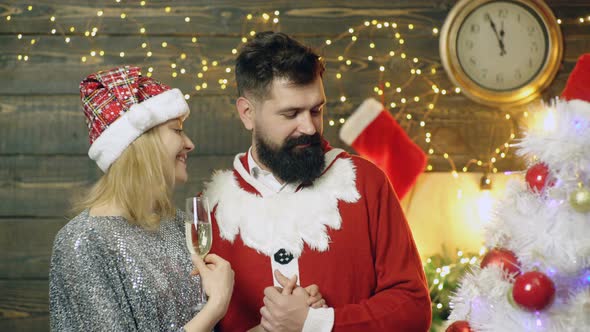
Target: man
{"x": 295, "y": 205}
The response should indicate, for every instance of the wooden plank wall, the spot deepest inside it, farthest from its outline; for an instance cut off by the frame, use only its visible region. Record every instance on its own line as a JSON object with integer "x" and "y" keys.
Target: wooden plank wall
{"x": 43, "y": 140}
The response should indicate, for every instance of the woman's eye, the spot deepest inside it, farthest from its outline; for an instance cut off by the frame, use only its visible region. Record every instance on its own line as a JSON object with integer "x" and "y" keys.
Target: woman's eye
{"x": 179, "y": 131}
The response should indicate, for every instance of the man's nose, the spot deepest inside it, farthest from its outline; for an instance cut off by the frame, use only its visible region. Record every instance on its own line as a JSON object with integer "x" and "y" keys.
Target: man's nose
{"x": 306, "y": 125}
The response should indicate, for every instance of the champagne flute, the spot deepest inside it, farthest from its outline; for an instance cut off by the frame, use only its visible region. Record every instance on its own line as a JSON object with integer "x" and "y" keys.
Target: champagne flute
{"x": 198, "y": 234}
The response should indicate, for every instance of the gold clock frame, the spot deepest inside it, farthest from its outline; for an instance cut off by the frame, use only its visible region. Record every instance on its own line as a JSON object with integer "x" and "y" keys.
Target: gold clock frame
{"x": 504, "y": 99}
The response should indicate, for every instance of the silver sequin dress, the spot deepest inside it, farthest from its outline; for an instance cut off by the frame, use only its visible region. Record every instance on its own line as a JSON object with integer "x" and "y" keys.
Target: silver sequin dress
{"x": 109, "y": 275}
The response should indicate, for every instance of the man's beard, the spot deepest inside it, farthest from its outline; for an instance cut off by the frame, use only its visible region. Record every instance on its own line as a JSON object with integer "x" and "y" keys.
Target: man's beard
{"x": 290, "y": 163}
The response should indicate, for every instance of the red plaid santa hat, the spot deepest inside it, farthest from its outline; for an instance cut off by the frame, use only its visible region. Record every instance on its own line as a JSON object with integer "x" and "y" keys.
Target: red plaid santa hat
{"x": 120, "y": 105}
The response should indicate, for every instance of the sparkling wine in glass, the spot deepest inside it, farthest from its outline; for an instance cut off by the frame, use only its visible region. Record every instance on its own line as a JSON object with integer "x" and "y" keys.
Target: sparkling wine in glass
{"x": 199, "y": 236}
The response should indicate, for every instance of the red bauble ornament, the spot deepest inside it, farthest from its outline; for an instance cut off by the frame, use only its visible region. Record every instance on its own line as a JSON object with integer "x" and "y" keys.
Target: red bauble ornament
{"x": 459, "y": 326}
{"x": 537, "y": 176}
{"x": 504, "y": 258}
{"x": 533, "y": 291}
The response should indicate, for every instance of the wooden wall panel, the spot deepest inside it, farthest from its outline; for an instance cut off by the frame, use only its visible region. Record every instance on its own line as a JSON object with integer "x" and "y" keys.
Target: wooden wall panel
{"x": 24, "y": 305}
{"x": 26, "y": 247}
{"x": 54, "y": 125}
{"x": 36, "y": 186}
{"x": 225, "y": 17}
{"x": 39, "y": 75}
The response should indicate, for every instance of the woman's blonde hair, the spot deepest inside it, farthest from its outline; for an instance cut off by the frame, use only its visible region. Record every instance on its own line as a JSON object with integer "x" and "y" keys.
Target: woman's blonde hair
{"x": 140, "y": 181}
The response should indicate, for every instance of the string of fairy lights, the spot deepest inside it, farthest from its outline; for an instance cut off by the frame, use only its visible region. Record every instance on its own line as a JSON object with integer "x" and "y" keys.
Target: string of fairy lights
{"x": 443, "y": 275}
{"x": 415, "y": 108}
{"x": 380, "y": 45}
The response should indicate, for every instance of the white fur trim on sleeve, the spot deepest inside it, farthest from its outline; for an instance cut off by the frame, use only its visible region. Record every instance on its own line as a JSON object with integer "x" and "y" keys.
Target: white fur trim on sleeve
{"x": 140, "y": 118}
{"x": 319, "y": 320}
{"x": 360, "y": 119}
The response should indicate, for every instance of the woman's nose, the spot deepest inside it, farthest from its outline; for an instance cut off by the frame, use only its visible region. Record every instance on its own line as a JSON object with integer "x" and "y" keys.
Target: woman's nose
{"x": 188, "y": 144}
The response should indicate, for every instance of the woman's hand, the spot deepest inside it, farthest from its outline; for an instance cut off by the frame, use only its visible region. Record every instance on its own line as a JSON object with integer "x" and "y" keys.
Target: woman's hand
{"x": 217, "y": 279}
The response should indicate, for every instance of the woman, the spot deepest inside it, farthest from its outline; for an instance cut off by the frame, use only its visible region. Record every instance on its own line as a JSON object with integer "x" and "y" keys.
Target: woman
{"x": 122, "y": 263}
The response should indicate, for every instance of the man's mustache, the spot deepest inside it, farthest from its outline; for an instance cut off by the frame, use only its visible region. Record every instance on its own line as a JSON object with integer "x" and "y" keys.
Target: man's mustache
{"x": 312, "y": 140}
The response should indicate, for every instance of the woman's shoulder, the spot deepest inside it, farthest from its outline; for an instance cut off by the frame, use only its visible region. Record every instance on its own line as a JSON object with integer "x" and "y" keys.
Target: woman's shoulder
{"x": 73, "y": 238}
{"x": 74, "y": 227}
{"x": 81, "y": 232}
{"x": 83, "y": 229}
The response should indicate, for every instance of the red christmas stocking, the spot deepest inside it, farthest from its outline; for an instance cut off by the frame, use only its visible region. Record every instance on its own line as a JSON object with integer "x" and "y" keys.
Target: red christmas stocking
{"x": 373, "y": 132}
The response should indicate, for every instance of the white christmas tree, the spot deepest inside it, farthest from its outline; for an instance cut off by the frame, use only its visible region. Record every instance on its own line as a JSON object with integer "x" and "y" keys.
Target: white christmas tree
{"x": 536, "y": 273}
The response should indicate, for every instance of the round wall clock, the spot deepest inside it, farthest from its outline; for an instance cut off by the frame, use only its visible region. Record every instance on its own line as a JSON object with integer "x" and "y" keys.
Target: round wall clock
{"x": 501, "y": 52}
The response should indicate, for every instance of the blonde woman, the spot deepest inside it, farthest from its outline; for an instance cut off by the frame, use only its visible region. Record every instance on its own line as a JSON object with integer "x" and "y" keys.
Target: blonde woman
{"x": 121, "y": 264}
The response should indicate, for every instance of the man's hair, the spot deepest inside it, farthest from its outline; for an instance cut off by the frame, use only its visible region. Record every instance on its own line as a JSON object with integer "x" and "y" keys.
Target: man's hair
{"x": 271, "y": 55}
{"x": 140, "y": 181}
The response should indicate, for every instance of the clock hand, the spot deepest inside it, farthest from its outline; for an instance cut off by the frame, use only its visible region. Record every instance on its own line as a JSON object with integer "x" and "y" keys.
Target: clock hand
{"x": 500, "y": 41}
{"x": 502, "y": 49}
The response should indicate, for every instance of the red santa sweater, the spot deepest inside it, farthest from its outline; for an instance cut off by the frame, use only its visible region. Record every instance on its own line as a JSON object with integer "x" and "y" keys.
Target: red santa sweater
{"x": 347, "y": 231}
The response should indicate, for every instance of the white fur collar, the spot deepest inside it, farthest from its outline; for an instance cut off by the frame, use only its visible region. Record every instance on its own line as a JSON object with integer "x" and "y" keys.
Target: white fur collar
{"x": 285, "y": 220}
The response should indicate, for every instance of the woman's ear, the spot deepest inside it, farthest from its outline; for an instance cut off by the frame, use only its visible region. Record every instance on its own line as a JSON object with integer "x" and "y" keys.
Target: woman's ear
{"x": 246, "y": 111}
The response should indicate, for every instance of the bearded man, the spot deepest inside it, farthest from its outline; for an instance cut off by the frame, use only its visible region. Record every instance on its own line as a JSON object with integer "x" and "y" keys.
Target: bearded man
{"x": 294, "y": 207}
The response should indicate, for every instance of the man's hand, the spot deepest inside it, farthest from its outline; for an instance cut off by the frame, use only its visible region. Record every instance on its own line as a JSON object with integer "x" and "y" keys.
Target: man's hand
{"x": 284, "y": 309}
{"x": 315, "y": 299}
{"x": 287, "y": 284}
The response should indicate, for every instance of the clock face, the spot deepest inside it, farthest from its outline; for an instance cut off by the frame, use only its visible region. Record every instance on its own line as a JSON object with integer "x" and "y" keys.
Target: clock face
{"x": 502, "y": 45}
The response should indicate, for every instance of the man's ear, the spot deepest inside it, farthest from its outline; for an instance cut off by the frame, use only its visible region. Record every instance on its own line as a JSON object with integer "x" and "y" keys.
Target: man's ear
{"x": 246, "y": 110}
